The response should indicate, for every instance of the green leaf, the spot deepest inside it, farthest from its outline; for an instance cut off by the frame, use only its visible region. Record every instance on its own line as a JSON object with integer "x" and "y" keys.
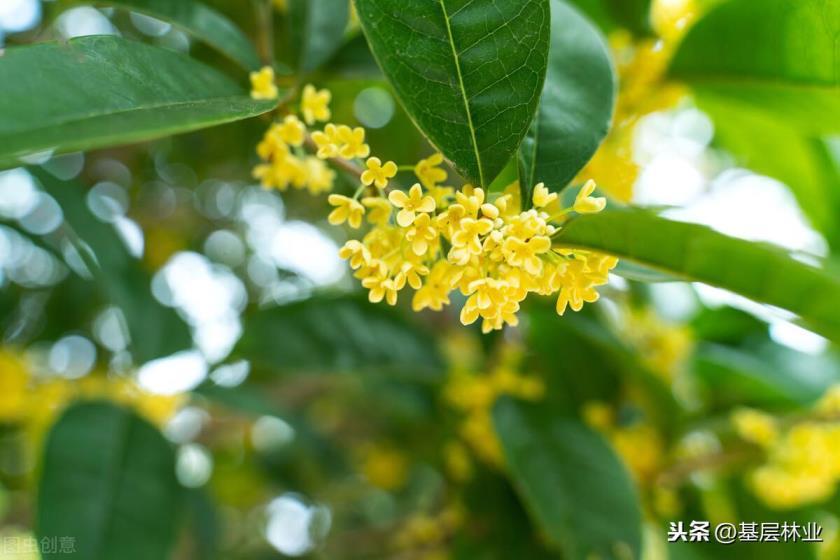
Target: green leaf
{"x": 108, "y": 482}
{"x": 571, "y": 481}
{"x": 631, "y": 14}
{"x": 767, "y": 375}
{"x": 576, "y": 108}
{"x": 469, "y": 72}
{"x": 317, "y": 28}
{"x": 338, "y": 334}
{"x": 201, "y": 21}
{"x": 696, "y": 253}
{"x": 155, "y": 330}
{"x": 95, "y": 92}
{"x": 776, "y": 55}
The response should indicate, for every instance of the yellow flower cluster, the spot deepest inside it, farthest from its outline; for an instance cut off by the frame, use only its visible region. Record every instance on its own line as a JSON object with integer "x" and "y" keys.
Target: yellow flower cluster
{"x": 282, "y": 149}
{"x": 803, "y": 459}
{"x": 474, "y": 395}
{"x": 639, "y": 444}
{"x": 424, "y": 536}
{"x": 436, "y": 240}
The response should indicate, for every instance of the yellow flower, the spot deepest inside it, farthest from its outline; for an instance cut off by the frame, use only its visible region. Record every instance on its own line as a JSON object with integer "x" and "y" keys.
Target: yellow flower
{"x": 411, "y": 272}
{"x": 755, "y": 426}
{"x": 347, "y": 210}
{"x": 356, "y": 253}
{"x": 524, "y": 254}
{"x": 469, "y": 232}
{"x": 577, "y": 285}
{"x": 315, "y": 104}
{"x": 421, "y": 234}
{"x": 320, "y": 177}
{"x": 291, "y": 131}
{"x": 586, "y": 204}
{"x": 542, "y": 197}
{"x": 377, "y": 173}
{"x": 380, "y": 210}
{"x": 351, "y": 142}
{"x": 434, "y": 294}
{"x": 382, "y": 287}
{"x": 262, "y": 84}
{"x": 429, "y": 172}
{"x": 410, "y": 204}
{"x": 326, "y": 141}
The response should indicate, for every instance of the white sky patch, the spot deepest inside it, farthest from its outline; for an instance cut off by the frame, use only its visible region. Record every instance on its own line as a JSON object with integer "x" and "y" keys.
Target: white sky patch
{"x": 209, "y": 296}
{"x": 175, "y": 374}
{"x": 304, "y": 249}
{"x": 19, "y": 15}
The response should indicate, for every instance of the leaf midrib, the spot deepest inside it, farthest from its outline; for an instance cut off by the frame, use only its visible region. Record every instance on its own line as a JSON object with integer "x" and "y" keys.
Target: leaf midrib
{"x": 463, "y": 91}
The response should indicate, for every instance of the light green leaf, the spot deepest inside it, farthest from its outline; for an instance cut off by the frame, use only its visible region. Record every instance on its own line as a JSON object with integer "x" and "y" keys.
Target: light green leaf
{"x": 108, "y": 482}
{"x": 571, "y": 481}
{"x": 775, "y": 55}
{"x": 201, "y": 21}
{"x": 154, "y": 330}
{"x": 330, "y": 335}
{"x": 469, "y": 72}
{"x": 317, "y": 28}
{"x": 95, "y": 92}
{"x": 696, "y": 253}
{"x": 576, "y": 108}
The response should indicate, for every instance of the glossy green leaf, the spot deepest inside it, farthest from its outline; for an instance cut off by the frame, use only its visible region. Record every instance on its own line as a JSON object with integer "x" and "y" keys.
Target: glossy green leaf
{"x": 576, "y": 107}
{"x": 572, "y": 482}
{"x": 154, "y": 330}
{"x": 776, "y": 55}
{"x": 95, "y": 92}
{"x": 328, "y": 335}
{"x": 317, "y": 28}
{"x": 469, "y": 72}
{"x": 697, "y": 253}
{"x": 201, "y": 21}
{"x": 108, "y": 482}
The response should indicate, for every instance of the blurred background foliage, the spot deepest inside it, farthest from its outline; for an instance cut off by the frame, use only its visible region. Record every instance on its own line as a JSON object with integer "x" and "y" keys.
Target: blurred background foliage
{"x": 187, "y": 366}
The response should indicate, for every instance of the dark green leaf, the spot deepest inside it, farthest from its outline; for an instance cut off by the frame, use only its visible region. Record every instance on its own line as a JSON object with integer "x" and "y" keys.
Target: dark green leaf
{"x": 776, "y": 55}
{"x": 109, "y": 483}
{"x": 469, "y": 72}
{"x": 576, "y": 107}
{"x": 155, "y": 330}
{"x": 571, "y": 481}
{"x": 631, "y": 14}
{"x": 696, "y": 253}
{"x": 100, "y": 91}
{"x": 201, "y": 21}
{"x": 317, "y": 28}
{"x": 336, "y": 335}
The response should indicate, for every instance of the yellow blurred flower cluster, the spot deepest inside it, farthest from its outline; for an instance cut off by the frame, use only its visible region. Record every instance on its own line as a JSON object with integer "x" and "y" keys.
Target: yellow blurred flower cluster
{"x": 803, "y": 455}
{"x": 638, "y": 443}
{"x": 473, "y": 396}
{"x": 35, "y": 401}
{"x": 424, "y": 536}
{"x": 663, "y": 347}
